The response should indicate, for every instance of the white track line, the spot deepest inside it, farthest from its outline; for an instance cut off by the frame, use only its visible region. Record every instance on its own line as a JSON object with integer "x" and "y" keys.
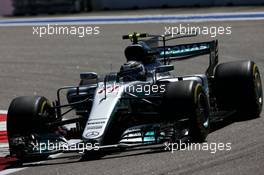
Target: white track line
{"x": 4, "y": 149}
{"x": 10, "y": 171}
{"x": 170, "y": 18}
{"x": 3, "y": 111}
{"x": 3, "y": 126}
{"x": 14, "y": 170}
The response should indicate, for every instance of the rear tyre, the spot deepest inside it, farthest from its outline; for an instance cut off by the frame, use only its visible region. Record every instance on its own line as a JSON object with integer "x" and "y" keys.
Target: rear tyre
{"x": 238, "y": 87}
{"x": 186, "y": 99}
{"x": 26, "y": 116}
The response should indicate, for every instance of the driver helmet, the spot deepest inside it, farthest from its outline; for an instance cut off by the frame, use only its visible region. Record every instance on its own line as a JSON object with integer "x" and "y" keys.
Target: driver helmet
{"x": 133, "y": 70}
{"x": 150, "y": 54}
{"x": 139, "y": 52}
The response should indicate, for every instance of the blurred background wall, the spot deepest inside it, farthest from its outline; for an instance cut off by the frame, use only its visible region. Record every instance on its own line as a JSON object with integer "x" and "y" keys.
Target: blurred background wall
{"x": 134, "y": 4}
{"x": 32, "y": 7}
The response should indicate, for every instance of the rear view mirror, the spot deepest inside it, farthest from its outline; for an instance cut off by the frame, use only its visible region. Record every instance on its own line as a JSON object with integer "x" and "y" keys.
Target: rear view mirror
{"x": 88, "y": 78}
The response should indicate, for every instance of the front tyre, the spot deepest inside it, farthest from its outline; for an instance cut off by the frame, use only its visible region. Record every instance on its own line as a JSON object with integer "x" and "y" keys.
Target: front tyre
{"x": 187, "y": 99}
{"x": 27, "y": 116}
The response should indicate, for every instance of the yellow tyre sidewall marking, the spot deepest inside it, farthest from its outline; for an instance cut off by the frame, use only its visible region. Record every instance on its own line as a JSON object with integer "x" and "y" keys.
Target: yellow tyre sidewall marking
{"x": 196, "y": 93}
{"x": 42, "y": 106}
{"x": 254, "y": 70}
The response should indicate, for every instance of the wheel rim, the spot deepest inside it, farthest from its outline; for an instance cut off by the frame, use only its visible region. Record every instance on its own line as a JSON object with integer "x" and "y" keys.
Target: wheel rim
{"x": 203, "y": 114}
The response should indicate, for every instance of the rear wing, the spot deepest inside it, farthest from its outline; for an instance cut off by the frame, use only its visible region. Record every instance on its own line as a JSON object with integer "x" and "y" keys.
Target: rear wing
{"x": 166, "y": 54}
{"x": 186, "y": 51}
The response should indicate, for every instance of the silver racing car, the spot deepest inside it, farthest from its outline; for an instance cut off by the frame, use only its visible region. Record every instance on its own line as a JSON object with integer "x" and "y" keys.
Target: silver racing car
{"x": 141, "y": 104}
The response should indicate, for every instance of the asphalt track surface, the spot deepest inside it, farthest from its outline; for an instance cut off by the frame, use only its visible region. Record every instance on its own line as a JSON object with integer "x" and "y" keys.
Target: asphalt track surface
{"x": 30, "y": 65}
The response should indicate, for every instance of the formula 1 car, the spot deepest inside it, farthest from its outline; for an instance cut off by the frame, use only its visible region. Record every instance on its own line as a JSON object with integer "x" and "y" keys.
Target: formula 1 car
{"x": 141, "y": 104}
